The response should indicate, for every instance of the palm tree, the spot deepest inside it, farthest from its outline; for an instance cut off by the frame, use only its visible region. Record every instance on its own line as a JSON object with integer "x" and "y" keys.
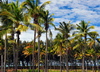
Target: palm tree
{"x": 94, "y": 35}
{"x": 58, "y": 47}
{"x": 83, "y": 29}
{"x": 5, "y": 29}
{"x": 65, "y": 29}
{"x": 78, "y": 46}
{"x": 1, "y": 48}
{"x": 39, "y": 35}
{"x": 1, "y": 52}
{"x": 34, "y": 10}
{"x": 15, "y": 14}
{"x": 47, "y": 18}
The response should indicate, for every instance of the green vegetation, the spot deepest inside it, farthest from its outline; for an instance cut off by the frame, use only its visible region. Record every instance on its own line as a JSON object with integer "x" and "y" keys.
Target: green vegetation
{"x": 54, "y": 70}
{"x": 74, "y": 47}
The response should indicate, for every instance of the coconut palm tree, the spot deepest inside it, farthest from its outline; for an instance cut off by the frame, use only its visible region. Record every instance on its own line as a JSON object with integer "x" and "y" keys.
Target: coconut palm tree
{"x": 15, "y": 14}
{"x": 94, "y": 35}
{"x": 34, "y": 11}
{"x": 83, "y": 29}
{"x": 65, "y": 29}
{"x": 47, "y": 19}
{"x": 1, "y": 48}
{"x": 5, "y": 29}
{"x": 39, "y": 35}
{"x": 58, "y": 47}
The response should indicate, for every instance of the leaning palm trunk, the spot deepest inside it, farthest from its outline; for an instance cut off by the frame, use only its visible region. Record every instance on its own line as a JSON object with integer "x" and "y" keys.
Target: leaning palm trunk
{"x": 5, "y": 53}
{"x": 46, "y": 54}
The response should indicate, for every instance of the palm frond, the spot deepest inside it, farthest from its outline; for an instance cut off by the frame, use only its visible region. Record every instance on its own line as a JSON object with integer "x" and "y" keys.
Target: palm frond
{"x": 44, "y": 4}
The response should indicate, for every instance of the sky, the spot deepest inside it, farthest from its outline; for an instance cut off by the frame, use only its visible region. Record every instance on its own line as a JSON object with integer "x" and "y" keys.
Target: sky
{"x": 69, "y": 10}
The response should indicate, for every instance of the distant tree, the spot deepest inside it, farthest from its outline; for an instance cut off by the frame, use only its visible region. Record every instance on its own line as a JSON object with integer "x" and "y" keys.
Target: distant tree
{"x": 83, "y": 30}
{"x": 58, "y": 47}
{"x": 65, "y": 29}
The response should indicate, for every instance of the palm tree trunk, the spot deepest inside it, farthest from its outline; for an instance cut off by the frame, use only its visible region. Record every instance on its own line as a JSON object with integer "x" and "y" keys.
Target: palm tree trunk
{"x": 86, "y": 65}
{"x": 16, "y": 53}
{"x": 46, "y": 54}
{"x": 97, "y": 64}
{"x": 33, "y": 51}
{"x": 35, "y": 20}
{"x": 1, "y": 63}
{"x": 83, "y": 69}
{"x": 67, "y": 70}
{"x": 16, "y": 58}
{"x": 5, "y": 50}
{"x": 83, "y": 58}
{"x": 39, "y": 52}
{"x": 94, "y": 65}
{"x": 60, "y": 64}
{"x": 13, "y": 44}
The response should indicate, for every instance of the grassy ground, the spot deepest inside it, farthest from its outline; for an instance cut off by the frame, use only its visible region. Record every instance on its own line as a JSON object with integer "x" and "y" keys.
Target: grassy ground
{"x": 50, "y": 70}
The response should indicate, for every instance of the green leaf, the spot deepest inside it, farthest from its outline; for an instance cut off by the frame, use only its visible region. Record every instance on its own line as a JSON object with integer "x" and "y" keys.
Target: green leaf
{"x": 76, "y": 46}
{"x": 11, "y": 41}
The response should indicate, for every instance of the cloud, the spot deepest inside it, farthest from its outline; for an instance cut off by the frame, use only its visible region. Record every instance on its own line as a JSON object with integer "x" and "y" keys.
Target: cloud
{"x": 75, "y": 10}
{"x": 71, "y": 10}
{"x": 29, "y": 35}
{"x": 97, "y": 28}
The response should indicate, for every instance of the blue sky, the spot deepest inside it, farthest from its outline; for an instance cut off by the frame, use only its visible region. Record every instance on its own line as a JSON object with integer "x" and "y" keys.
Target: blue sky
{"x": 70, "y": 10}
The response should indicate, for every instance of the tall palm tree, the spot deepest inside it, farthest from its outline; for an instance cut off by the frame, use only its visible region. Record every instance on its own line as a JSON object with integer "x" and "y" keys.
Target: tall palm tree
{"x": 94, "y": 35}
{"x": 47, "y": 18}
{"x": 83, "y": 29}
{"x": 39, "y": 35}
{"x": 5, "y": 29}
{"x": 1, "y": 52}
{"x": 58, "y": 47}
{"x": 2, "y": 48}
{"x": 34, "y": 10}
{"x": 15, "y": 14}
{"x": 65, "y": 29}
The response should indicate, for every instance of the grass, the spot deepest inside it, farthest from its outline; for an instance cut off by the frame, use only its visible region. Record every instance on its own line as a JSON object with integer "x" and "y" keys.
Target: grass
{"x": 50, "y": 70}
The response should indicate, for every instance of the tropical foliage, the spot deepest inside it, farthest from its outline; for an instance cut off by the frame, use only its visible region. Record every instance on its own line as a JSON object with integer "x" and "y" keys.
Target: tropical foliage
{"x": 74, "y": 46}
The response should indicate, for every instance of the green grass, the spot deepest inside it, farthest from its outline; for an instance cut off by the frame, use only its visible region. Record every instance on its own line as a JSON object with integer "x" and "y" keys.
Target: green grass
{"x": 53, "y": 70}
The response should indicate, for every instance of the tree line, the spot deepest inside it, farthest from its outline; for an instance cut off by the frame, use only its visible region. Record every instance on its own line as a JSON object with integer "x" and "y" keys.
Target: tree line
{"x": 74, "y": 42}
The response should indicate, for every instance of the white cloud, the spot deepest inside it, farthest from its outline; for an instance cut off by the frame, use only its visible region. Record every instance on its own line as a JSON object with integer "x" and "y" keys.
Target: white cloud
{"x": 75, "y": 11}
{"x": 97, "y": 28}
{"x": 29, "y": 35}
